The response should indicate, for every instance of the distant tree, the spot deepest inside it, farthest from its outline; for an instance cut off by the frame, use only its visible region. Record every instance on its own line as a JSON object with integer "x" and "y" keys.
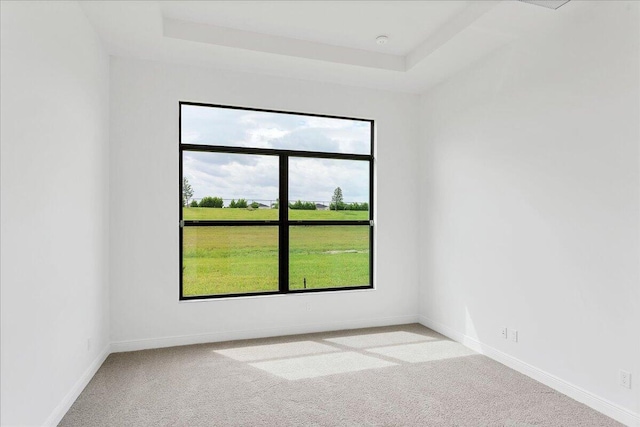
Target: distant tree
{"x": 233, "y": 204}
{"x": 187, "y": 191}
{"x": 355, "y": 206}
{"x": 206, "y": 202}
{"x": 241, "y": 203}
{"x": 194, "y": 204}
{"x": 337, "y": 202}
{"x": 276, "y": 204}
{"x": 255, "y": 205}
{"x": 306, "y": 206}
{"x": 211, "y": 202}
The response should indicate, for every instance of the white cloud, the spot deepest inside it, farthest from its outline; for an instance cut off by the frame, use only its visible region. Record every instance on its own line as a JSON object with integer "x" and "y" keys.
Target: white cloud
{"x": 316, "y": 179}
{"x": 262, "y": 137}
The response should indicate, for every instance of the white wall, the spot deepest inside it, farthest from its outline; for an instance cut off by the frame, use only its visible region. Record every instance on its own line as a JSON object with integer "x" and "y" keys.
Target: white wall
{"x": 529, "y": 195}
{"x": 54, "y": 208}
{"x": 530, "y": 188}
{"x": 145, "y": 311}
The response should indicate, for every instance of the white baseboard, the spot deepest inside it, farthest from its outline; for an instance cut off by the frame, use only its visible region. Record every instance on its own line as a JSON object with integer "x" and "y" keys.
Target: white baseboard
{"x": 62, "y": 408}
{"x": 304, "y": 328}
{"x": 598, "y": 403}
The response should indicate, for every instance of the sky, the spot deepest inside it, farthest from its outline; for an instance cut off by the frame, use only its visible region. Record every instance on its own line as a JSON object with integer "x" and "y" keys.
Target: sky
{"x": 255, "y": 177}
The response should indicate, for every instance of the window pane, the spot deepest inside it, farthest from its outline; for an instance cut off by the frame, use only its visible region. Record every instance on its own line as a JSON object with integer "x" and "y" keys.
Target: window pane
{"x": 259, "y": 129}
{"x": 328, "y": 256}
{"x": 328, "y": 189}
{"x": 228, "y": 260}
{"x": 230, "y": 186}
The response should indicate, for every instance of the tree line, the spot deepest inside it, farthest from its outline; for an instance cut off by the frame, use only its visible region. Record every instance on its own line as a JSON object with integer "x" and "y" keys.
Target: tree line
{"x": 217, "y": 202}
{"x": 337, "y": 202}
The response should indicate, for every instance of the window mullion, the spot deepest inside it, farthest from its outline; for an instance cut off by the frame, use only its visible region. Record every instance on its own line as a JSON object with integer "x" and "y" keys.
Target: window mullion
{"x": 283, "y": 237}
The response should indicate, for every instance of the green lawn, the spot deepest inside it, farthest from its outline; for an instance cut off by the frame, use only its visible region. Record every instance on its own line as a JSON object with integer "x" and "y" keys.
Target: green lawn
{"x": 220, "y": 260}
{"x": 268, "y": 214}
{"x": 328, "y": 256}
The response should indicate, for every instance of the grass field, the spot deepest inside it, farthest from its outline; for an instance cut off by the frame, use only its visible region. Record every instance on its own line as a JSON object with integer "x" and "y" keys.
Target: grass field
{"x": 268, "y": 214}
{"x": 221, "y": 260}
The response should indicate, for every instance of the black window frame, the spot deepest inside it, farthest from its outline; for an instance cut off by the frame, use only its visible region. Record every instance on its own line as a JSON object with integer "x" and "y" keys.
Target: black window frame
{"x": 283, "y": 222}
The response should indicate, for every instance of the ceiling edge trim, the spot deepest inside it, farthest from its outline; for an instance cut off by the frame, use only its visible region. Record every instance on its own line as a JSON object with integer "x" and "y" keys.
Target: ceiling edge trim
{"x": 455, "y": 26}
{"x": 229, "y": 37}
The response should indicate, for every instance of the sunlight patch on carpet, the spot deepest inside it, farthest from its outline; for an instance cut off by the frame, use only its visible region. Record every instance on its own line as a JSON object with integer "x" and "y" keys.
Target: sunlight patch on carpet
{"x": 424, "y": 352}
{"x": 378, "y": 340}
{"x": 321, "y": 365}
{"x": 276, "y": 351}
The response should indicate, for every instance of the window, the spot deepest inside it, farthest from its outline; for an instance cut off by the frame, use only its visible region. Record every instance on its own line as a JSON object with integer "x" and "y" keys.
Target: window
{"x": 273, "y": 202}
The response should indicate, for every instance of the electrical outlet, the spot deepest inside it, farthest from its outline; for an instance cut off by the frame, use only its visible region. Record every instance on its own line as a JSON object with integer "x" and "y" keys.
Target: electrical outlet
{"x": 625, "y": 379}
{"x": 505, "y": 333}
{"x": 514, "y": 335}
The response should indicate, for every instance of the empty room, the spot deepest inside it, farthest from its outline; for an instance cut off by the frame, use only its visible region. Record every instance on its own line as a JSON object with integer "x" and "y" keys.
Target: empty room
{"x": 320, "y": 213}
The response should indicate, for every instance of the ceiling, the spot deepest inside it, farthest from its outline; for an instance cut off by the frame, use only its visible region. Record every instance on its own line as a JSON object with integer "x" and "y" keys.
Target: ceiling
{"x": 331, "y": 41}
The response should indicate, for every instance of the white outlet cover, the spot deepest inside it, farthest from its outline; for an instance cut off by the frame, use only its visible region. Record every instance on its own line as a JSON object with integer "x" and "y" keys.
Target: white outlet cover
{"x": 514, "y": 335}
{"x": 505, "y": 333}
{"x": 625, "y": 379}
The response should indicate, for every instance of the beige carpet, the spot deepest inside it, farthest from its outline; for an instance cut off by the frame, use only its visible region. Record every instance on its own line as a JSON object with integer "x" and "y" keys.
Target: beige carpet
{"x": 394, "y": 376}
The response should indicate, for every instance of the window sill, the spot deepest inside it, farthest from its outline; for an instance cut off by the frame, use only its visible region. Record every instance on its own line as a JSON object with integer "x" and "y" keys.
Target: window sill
{"x": 292, "y": 294}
